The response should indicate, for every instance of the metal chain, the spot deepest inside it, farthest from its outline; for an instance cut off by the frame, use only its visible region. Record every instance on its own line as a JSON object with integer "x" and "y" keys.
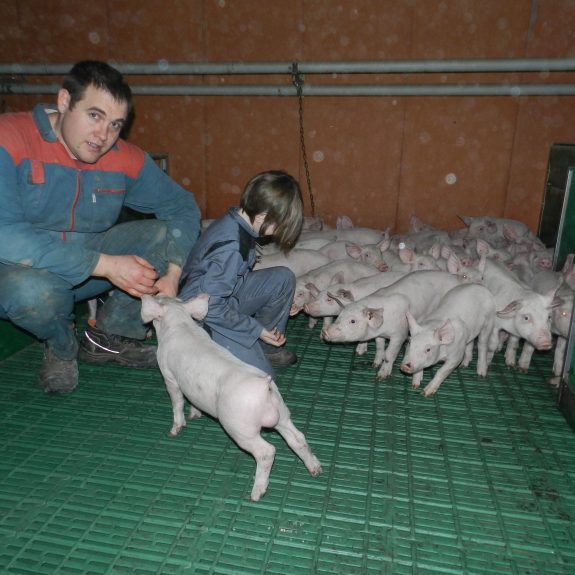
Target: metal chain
{"x": 298, "y": 83}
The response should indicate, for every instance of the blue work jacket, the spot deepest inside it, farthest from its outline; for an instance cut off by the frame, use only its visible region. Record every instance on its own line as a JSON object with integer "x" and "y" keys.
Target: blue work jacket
{"x": 50, "y": 203}
{"x": 218, "y": 265}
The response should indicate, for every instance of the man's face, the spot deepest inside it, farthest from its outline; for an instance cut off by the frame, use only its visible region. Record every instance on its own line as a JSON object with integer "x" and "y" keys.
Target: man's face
{"x": 92, "y": 126}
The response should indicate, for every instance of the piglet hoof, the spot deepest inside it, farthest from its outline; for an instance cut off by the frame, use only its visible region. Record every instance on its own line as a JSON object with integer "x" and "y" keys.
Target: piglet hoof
{"x": 554, "y": 381}
{"x": 427, "y": 392}
{"x": 257, "y": 494}
{"x": 175, "y": 430}
{"x": 194, "y": 413}
{"x": 415, "y": 386}
{"x": 361, "y": 348}
{"x": 316, "y": 471}
{"x": 522, "y": 369}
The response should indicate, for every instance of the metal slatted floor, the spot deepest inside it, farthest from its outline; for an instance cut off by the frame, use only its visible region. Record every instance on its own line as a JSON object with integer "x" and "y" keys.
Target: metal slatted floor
{"x": 479, "y": 479}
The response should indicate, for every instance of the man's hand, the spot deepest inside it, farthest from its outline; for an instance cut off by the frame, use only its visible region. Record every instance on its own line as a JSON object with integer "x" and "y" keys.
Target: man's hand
{"x": 132, "y": 274}
{"x": 274, "y": 337}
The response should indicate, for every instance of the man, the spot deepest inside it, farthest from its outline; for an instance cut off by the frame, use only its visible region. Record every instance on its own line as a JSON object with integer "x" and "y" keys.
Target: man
{"x": 65, "y": 175}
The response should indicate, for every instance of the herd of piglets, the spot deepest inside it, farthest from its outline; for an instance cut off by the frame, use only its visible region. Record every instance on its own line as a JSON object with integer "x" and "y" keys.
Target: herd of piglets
{"x": 490, "y": 284}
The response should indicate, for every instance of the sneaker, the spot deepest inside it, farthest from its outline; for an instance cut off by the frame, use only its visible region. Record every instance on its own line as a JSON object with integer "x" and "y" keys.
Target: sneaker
{"x": 99, "y": 347}
{"x": 57, "y": 376}
{"x": 282, "y": 358}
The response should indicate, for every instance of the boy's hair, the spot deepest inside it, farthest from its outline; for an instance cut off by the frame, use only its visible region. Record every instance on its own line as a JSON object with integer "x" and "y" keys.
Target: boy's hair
{"x": 100, "y": 75}
{"x": 276, "y": 194}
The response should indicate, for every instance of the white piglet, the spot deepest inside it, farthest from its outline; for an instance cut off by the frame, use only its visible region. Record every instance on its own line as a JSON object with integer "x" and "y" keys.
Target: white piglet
{"x": 447, "y": 334}
{"x": 242, "y": 397}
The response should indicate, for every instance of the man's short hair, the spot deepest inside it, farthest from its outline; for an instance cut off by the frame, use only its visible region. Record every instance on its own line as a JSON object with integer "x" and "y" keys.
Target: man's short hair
{"x": 100, "y": 75}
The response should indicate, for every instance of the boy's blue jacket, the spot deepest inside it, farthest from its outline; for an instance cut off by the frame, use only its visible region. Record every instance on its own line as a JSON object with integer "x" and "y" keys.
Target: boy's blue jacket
{"x": 217, "y": 265}
{"x": 51, "y": 203}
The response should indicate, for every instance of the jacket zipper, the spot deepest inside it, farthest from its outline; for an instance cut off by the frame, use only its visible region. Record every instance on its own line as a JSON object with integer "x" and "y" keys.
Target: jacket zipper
{"x": 72, "y": 215}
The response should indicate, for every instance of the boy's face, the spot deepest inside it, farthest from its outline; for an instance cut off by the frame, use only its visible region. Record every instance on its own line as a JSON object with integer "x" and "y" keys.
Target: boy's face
{"x": 258, "y": 222}
{"x": 92, "y": 126}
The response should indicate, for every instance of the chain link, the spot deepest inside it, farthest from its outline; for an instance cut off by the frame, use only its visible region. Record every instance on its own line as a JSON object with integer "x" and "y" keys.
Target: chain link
{"x": 298, "y": 83}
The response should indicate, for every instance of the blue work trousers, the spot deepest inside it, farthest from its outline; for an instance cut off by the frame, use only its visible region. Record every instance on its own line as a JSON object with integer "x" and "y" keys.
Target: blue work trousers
{"x": 42, "y": 303}
{"x": 267, "y": 295}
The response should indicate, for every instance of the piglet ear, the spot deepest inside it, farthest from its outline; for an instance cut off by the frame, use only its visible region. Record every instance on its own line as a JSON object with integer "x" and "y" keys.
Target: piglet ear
{"x": 344, "y": 223}
{"x": 374, "y": 316}
{"x": 445, "y": 334}
{"x": 435, "y": 251}
{"x": 346, "y": 294}
{"x": 481, "y": 265}
{"x": 151, "y": 309}
{"x": 336, "y": 300}
{"x": 197, "y": 307}
{"x": 482, "y": 247}
{"x": 338, "y": 278}
{"x": 384, "y": 244}
{"x": 510, "y": 309}
{"x": 312, "y": 288}
{"x": 510, "y": 233}
{"x": 353, "y": 250}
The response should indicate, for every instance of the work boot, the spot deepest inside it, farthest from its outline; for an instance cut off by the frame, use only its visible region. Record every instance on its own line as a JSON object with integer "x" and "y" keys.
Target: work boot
{"x": 99, "y": 347}
{"x": 281, "y": 358}
{"x": 57, "y": 376}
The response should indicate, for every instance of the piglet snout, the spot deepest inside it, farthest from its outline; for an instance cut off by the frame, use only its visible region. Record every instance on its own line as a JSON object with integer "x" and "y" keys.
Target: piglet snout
{"x": 406, "y": 367}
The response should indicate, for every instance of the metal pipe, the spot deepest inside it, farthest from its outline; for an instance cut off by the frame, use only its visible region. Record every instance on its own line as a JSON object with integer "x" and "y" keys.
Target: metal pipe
{"x": 311, "y": 90}
{"x": 164, "y": 67}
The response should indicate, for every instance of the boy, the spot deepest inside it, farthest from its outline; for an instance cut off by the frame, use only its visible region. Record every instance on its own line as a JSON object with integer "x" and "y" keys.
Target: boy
{"x": 248, "y": 310}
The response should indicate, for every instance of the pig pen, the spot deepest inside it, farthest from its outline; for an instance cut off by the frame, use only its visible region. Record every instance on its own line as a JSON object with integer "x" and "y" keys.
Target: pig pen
{"x": 477, "y": 479}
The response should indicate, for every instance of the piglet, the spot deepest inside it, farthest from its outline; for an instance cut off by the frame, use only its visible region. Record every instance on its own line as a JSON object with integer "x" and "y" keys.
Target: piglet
{"x": 465, "y": 313}
{"x": 242, "y": 397}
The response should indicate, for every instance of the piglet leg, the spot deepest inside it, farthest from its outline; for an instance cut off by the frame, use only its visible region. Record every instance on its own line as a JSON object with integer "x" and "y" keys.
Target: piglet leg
{"x": 468, "y": 355}
{"x": 511, "y": 351}
{"x": 416, "y": 379}
{"x": 391, "y": 353}
{"x": 297, "y": 441}
{"x": 439, "y": 377}
{"x": 264, "y": 454}
{"x": 194, "y": 412}
{"x": 177, "y": 398}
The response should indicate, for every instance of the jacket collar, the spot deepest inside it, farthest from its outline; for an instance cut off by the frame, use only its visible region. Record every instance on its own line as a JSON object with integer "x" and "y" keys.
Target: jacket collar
{"x": 42, "y": 121}
{"x": 233, "y": 212}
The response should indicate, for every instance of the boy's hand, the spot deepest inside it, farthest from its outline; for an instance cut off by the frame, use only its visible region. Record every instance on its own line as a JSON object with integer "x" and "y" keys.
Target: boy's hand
{"x": 274, "y": 337}
{"x": 168, "y": 284}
